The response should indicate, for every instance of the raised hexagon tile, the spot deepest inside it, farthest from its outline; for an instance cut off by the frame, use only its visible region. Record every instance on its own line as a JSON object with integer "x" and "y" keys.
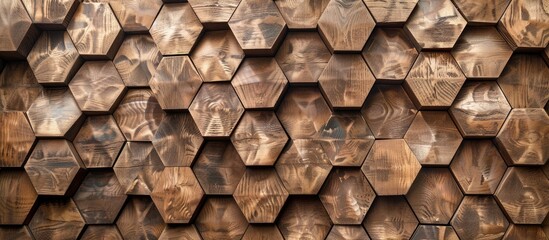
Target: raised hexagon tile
{"x": 435, "y": 232}
{"x": 262, "y": 231}
{"x": 175, "y": 82}
{"x": 137, "y": 60}
{"x": 525, "y": 232}
{"x": 18, "y": 95}
{"x": 15, "y": 232}
{"x": 94, "y": 232}
{"x": 17, "y": 30}
{"x": 220, "y": 218}
{"x": 392, "y": 12}
{"x": 185, "y": 232}
{"x": 482, "y": 212}
{"x": 138, "y": 168}
{"x": 48, "y": 14}
{"x": 57, "y": 214}
{"x": 177, "y": 140}
{"x": 136, "y": 15}
{"x": 174, "y": 39}
{"x": 525, "y": 24}
{"x": 214, "y": 14}
{"x": 140, "y": 219}
{"x": 16, "y": 139}
{"x": 482, "y": 12}
{"x": 304, "y": 217}
{"x": 139, "y": 115}
{"x": 390, "y": 218}
{"x": 301, "y": 14}
{"x": 17, "y": 198}
{"x": 346, "y": 232}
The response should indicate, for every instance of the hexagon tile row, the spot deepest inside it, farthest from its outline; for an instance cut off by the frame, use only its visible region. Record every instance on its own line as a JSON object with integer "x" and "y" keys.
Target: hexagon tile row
{"x": 274, "y": 119}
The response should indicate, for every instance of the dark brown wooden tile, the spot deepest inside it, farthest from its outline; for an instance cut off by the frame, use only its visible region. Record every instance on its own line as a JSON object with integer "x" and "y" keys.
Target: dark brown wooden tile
{"x": 183, "y": 232}
{"x": 524, "y": 232}
{"x": 435, "y": 232}
{"x": 140, "y": 219}
{"x": 15, "y": 232}
{"x": 17, "y": 199}
{"x": 98, "y": 232}
{"x": 262, "y": 232}
{"x": 56, "y": 214}
{"x": 16, "y": 139}
{"x": 18, "y": 95}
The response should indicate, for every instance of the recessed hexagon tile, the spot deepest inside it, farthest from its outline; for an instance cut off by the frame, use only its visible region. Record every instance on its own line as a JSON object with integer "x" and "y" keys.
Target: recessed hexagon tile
{"x": 304, "y": 217}
{"x": 18, "y": 95}
{"x": 483, "y": 213}
{"x": 175, "y": 82}
{"x": 392, "y": 12}
{"x": 16, "y": 139}
{"x": 47, "y": 14}
{"x": 17, "y": 198}
{"x": 56, "y": 214}
{"x": 17, "y": 31}
{"x": 95, "y": 31}
{"x": 214, "y": 14}
{"x": 301, "y": 14}
{"x": 177, "y": 140}
{"x": 186, "y": 232}
{"x": 100, "y": 197}
{"x": 177, "y": 194}
{"x": 220, "y": 218}
{"x": 525, "y": 232}
{"x": 525, "y": 24}
{"x": 434, "y": 196}
{"x": 174, "y": 39}
{"x": 438, "y": 232}
{"x": 54, "y": 59}
{"x": 524, "y": 81}
{"x": 54, "y": 167}
{"x": 139, "y": 115}
{"x": 524, "y": 137}
{"x": 391, "y": 167}
{"x": 217, "y": 56}
{"x": 138, "y": 168}
{"x": 435, "y": 24}
{"x": 260, "y": 195}
{"x": 15, "y": 232}
{"x": 259, "y": 138}
{"x": 140, "y": 219}
{"x": 97, "y": 87}
{"x": 93, "y": 232}
{"x": 262, "y": 231}
{"x": 136, "y": 15}
{"x": 390, "y": 218}
{"x": 482, "y": 12}
{"x": 259, "y": 82}
{"x": 137, "y": 60}
{"x": 219, "y": 168}
{"x": 216, "y": 109}
{"x": 346, "y": 232}
{"x": 434, "y": 80}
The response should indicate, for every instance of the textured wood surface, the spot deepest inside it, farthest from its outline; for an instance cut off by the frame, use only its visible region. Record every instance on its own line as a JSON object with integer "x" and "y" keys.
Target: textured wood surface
{"x": 262, "y": 232}
{"x": 53, "y": 215}
{"x": 479, "y": 217}
{"x": 347, "y": 232}
{"x": 140, "y": 219}
{"x": 390, "y": 218}
{"x": 17, "y": 199}
{"x": 524, "y": 232}
{"x": 17, "y": 34}
{"x": 138, "y": 168}
{"x": 99, "y": 232}
{"x": 48, "y": 14}
{"x": 301, "y": 14}
{"x": 214, "y": 13}
{"x": 391, "y": 12}
{"x": 304, "y": 217}
{"x": 177, "y": 140}
{"x": 18, "y": 95}
{"x": 526, "y": 24}
{"x": 16, "y": 139}
{"x": 99, "y": 142}
{"x": 135, "y": 15}
{"x": 220, "y": 218}
{"x": 175, "y": 39}
{"x": 482, "y": 12}
{"x": 426, "y": 232}
{"x": 138, "y": 115}
{"x": 16, "y": 232}
{"x": 137, "y": 59}
{"x": 183, "y": 232}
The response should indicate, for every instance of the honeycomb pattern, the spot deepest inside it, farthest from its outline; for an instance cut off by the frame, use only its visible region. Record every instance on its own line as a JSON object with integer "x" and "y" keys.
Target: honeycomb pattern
{"x": 284, "y": 119}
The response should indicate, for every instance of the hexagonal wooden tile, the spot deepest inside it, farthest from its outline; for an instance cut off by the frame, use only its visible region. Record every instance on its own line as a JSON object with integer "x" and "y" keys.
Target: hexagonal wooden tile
{"x": 177, "y": 194}
{"x": 136, "y": 15}
{"x": 303, "y": 166}
{"x": 17, "y": 198}
{"x": 186, "y": 232}
{"x": 18, "y": 33}
{"x": 18, "y": 95}
{"x": 138, "y": 168}
{"x": 524, "y": 137}
{"x": 140, "y": 219}
{"x": 174, "y": 39}
{"x": 139, "y": 115}
{"x": 260, "y": 195}
{"x": 100, "y": 197}
{"x": 389, "y": 54}
{"x": 480, "y": 109}
{"x": 219, "y": 168}
{"x": 47, "y": 14}
{"x": 478, "y": 167}
{"x": 437, "y": 232}
{"x": 347, "y": 232}
{"x": 303, "y": 112}
{"x": 388, "y": 111}
{"x": 434, "y": 196}
{"x": 392, "y": 12}
{"x": 390, "y": 218}
{"x": 214, "y": 13}
{"x": 525, "y": 24}
{"x": 259, "y": 138}
{"x": 436, "y": 24}
{"x": 175, "y": 82}
{"x": 95, "y": 31}
{"x": 481, "y": 52}
{"x": 482, "y": 12}
{"x": 301, "y": 14}
{"x": 391, "y": 167}
{"x": 345, "y": 25}
{"x": 54, "y": 58}
{"x": 347, "y": 196}
{"x": 97, "y": 87}
{"x": 263, "y": 232}
{"x": 99, "y": 141}
{"x": 94, "y": 232}
{"x": 524, "y": 81}
{"x": 346, "y": 81}
{"x": 137, "y": 60}
{"x": 523, "y": 194}
{"x": 15, "y": 232}
{"x": 302, "y": 56}
{"x": 220, "y": 218}
{"x": 56, "y": 214}
{"x": 304, "y": 217}
{"x": 525, "y": 232}
{"x": 216, "y": 109}
{"x": 54, "y": 167}
{"x": 177, "y": 140}
{"x": 258, "y": 26}
{"x": 434, "y": 80}
{"x": 16, "y": 139}
{"x": 479, "y": 217}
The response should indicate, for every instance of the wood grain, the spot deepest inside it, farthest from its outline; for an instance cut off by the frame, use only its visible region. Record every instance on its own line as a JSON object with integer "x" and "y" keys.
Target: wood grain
{"x": 391, "y": 12}
{"x": 138, "y": 168}
{"x": 140, "y": 219}
{"x": 139, "y": 115}
{"x": 99, "y": 142}
{"x": 137, "y": 59}
{"x": 15, "y": 232}
{"x": 347, "y": 196}
{"x": 97, "y": 87}
{"x": 262, "y": 232}
{"x": 181, "y": 232}
{"x": 48, "y": 14}
{"x": 177, "y": 140}
{"x": 175, "y": 39}
{"x": 434, "y": 196}
{"x": 347, "y": 232}
{"x": 259, "y": 82}
{"x": 480, "y": 109}
{"x": 482, "y": 12}
{"x": 219, "y": 168}
{"x": 101, "y": 232}
{"x": 525, "y": 24}
{"x": 345, "y": 25}
{"x": 524, "y": 232}
{"x": 388, "y": 111}
{"x": 18, "y": 95}
{"x": 17, "y": 198}
{"x": 216, "y": 109}
{"x": 136, "y": 15}
{"x": 479, "y": 217}
{"x": 390, "y": 218}
{"x": 434, "y": 80}
{"x": 220, "y": 218}
{"x": 57, "y": 219}
{"x": 175, "y": 82}
{"x": 214, "y": 13}
{"x": 16, "y": 139}
{"x": 391, "y": 167}
{"x": 523, "y": 194}
{"x": 54, "y": 58}
{"x": 301, "y": 14}
{"x": 434, "y": 232}
{"x": 259, "y": 138}
{"x": 304, "y": 218}
{"x": 17, "y": 34}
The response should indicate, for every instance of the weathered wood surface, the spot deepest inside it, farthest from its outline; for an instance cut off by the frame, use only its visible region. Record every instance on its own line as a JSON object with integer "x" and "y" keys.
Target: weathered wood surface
{"x": 15, "y": 232}
{"x": 391, "y": 12}
{"x": 99, "y": 232}
{"x": 482, "y": 12}
{"x": 304, "y": 217}
{"x": 183, "y": 232}
{"x": 262, "y": 232}
{"x": 175, "y": 39}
